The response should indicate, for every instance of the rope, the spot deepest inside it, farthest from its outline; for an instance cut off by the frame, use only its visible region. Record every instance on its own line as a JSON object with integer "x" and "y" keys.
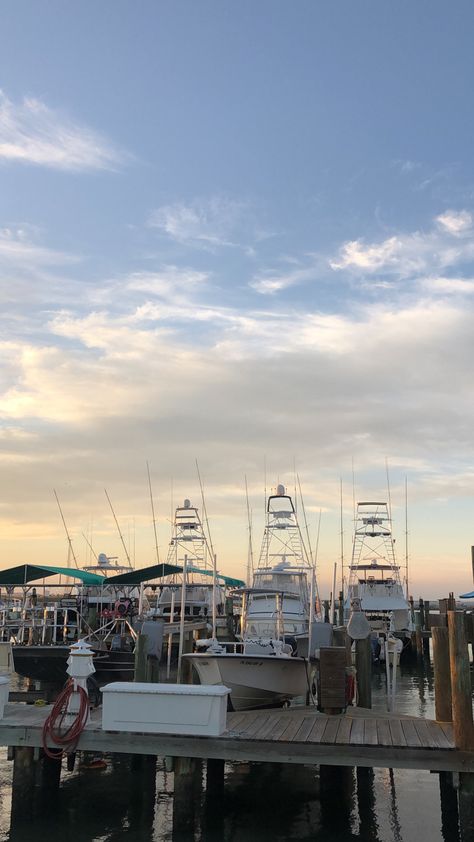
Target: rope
{"x": 54, "y": 731}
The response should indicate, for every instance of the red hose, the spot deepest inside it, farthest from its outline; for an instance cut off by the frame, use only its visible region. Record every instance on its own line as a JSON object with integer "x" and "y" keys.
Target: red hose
{"x": 53, "y": 731}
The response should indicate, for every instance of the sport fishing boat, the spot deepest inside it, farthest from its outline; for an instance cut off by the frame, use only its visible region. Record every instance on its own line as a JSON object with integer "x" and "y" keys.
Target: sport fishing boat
{"x": 264, "y": 669}
{"x": 374, "y": 575}
{"x": 190, "y": 543}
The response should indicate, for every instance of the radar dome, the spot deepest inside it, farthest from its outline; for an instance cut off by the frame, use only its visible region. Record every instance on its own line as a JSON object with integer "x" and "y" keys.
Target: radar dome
{"x": 187, "y": 504}
{"x": 281, "y": 490}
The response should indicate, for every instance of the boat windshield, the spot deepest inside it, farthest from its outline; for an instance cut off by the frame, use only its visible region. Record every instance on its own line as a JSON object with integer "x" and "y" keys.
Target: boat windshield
{"x": 288, "y": 582}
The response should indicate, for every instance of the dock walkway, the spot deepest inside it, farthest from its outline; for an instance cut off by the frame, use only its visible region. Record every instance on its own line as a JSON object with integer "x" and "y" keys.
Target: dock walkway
{"x": 297, "y": 735}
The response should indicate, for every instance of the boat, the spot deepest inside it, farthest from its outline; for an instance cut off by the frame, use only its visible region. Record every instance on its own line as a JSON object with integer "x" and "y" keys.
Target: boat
{"x": 190, "y": 549}
{"x": 374, "y": 575}
{"x": 264, "y": 669}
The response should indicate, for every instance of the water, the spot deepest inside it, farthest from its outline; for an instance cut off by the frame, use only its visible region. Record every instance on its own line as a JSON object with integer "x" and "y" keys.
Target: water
{"x": 259, "y": 802}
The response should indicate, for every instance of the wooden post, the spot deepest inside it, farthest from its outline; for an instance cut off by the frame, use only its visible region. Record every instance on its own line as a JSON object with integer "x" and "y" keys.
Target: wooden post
{"x": 363, "y": 664}
{"x": 186, "y": 665}
{"x": 214, "y": 803}
{"x": 341, "y": 638}
{"x": 140, "y": 658}
{"x": 442, "y": 674}
{"x": 466, "y": 806}
{"x": 23, "y": 784}
{"x": 463, "y": 725}
{"x": 419, "y": 642}
{"x": 443, "y": 611}
{"x": 186, "y": 771}
{"x": 421, "y": 613}
{"x": 341, "y": 608}
{"x": 326, "y": 610}
{"x": 449, "y": 806}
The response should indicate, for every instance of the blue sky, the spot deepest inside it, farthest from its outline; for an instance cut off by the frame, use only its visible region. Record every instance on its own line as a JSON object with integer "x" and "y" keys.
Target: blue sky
{"x": 236, "y": 231}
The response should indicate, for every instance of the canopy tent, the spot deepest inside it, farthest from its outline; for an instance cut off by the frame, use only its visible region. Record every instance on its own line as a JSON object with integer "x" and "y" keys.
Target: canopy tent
{"x": 228, "y": 580}
{"x": 467, "y": 595}
{"x": 25, "y": 573}
{"x": 144, "y": 574}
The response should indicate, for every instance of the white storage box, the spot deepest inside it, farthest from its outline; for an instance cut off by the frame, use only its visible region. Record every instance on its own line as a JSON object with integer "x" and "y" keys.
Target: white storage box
{"x": 165, "y": 708}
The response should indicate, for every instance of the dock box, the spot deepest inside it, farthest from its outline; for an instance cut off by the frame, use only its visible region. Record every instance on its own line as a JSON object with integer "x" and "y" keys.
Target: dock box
{"x": 165, "y": 708}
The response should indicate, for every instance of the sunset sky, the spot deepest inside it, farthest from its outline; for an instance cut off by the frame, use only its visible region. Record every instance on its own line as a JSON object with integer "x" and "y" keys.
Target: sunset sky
{"x": 242, "y": 232}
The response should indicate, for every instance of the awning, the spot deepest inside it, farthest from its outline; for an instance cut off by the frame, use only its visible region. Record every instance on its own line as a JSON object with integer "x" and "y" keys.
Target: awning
{"x": 467, "y": 595}
{"x": 144, "y": 574}
{"x": 228, "y": 580}
{"x": 24, "y": 573}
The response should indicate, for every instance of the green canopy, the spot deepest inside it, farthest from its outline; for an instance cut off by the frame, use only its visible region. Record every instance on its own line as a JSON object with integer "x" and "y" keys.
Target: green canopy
{"x": 228, "y": 580}
{"x": 24, "y": 573}
{"x": 144, "y": 574}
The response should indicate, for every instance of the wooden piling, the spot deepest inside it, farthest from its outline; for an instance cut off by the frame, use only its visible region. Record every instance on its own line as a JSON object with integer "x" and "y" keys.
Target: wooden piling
{"x": 419, "y": 642}
{"x": 442, "y": 674}
{"x": 140, "y": 658}
{"x": 463, "y": 725}
{"x": 186, "y": 772}
{"x": 466, "y": 806}
{"x": 363, "y": 663}
{"x": 23, "y": 783}
{"x": 341, "y": 608}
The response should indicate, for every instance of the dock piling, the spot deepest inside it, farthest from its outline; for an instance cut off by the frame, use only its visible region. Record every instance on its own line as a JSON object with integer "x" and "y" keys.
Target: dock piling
{"x": 442, "y": 674}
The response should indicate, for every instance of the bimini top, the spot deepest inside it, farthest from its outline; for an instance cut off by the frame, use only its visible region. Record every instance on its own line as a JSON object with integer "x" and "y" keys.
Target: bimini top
{"x": 467, "y": 595}
{"x": 24, "y": 573}
{"x": 144, "y": 574}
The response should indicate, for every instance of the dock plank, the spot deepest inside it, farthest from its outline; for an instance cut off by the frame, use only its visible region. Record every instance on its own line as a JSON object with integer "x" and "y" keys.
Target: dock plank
{"x": 383, "y": 732}
{"x": 344, "y": 732}
{"x": 396, "y": 732}
{"x": 370, "y": 732}
{"x": 447, "y": 728}
{"x": 304, "y": 730}
{"x": 317, "y": 729}
{"x": 438, "y": 735}
{"x": 411, "y": 736}
{"x": 331, "y": 729}
{"x": 258, "y": 723}
{"x": 426, "y": 739}
{"x": 293, "y": 728}
{"x": 357, "y": 732}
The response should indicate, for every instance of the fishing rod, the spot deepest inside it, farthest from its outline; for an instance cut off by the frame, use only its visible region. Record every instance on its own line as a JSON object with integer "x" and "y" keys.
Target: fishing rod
{"x": 153, "y": 514}
{"x": 119, "y": 530}
{"x": 250, "y": 565}
{"x": 70, "y": 547}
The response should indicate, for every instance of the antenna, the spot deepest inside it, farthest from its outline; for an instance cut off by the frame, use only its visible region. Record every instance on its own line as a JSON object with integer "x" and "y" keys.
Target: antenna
{"x": 153, "y": 514}
{"x": 353, "y": 494}
{"x": 119, "y": 530}
{"x": 317, "y": 540}
{"x": 294, "y": 482}
{"x": 204, "y": 510}
{"x": 389, "y": 495}
{"x": 406, "y": 537}
{"x": 70, "y": 547}
{"x": 342, "y": 542}
{"x": 305, "y": 523}
{"x": 90, "y": 547}
{"x": 250, "y": 549}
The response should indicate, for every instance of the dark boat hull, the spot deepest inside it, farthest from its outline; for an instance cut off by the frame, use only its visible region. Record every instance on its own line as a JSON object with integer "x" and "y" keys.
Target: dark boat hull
{"x": 49, "y": 664}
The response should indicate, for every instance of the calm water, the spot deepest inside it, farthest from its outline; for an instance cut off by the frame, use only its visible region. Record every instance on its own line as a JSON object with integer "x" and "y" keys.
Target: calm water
{"x": 259, "y": 801}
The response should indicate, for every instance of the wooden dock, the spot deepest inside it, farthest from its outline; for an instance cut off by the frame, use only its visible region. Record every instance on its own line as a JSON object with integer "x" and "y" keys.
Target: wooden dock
{"x": 297, "y": 735}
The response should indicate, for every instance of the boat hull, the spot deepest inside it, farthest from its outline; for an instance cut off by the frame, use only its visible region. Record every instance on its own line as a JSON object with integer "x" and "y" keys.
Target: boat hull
{"x": 254, "y": 681}
{"x": 49, "y": 664}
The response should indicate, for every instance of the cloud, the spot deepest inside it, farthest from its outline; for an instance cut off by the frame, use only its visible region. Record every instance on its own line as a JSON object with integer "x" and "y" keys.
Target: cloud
{"x": 17, "y": 248}
{"x": 33, "y": 133}
{"x": 450, "y": 286}
{"x": 449, "y": 243}
{"x": 216, "y": 222}
{"x": 455, "y": 223}
{"x": 269, "y": 282}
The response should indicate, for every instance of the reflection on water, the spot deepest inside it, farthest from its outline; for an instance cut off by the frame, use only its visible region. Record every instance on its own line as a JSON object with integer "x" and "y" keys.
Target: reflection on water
{"x": 132, "y": 799}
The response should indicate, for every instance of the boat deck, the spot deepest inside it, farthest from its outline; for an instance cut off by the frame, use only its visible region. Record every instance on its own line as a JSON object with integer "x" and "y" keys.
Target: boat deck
{"x": 297, "y": 735}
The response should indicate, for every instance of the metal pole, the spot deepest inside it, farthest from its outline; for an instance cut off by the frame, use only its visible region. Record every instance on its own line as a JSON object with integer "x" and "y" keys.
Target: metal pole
{"x": 181, "y": 619}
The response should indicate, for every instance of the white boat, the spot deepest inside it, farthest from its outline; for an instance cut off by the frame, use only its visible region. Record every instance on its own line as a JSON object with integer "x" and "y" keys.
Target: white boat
{"x": 263, "y": 669}
{"x": 190, "y": 543}
{"x": 374, "y": 575}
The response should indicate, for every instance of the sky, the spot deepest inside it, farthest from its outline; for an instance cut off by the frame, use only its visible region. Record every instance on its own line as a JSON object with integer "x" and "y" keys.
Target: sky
{"x": 242, "y": 234}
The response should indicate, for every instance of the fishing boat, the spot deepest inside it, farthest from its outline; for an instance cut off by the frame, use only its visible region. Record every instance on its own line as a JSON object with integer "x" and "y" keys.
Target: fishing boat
{"x": 190, "y": 547}
{"x": 374, "y": 575}
{"x": 264, "y": 669}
